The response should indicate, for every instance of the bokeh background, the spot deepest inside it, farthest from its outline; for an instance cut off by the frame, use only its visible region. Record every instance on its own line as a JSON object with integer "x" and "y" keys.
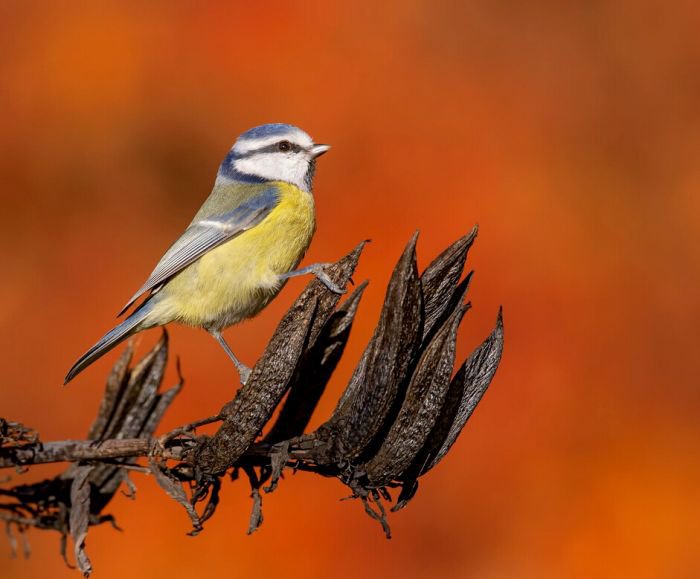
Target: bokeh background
{"x": 569, "y": 131}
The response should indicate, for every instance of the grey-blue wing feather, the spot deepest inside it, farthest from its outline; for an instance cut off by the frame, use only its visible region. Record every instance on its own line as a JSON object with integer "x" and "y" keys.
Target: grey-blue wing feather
{"x": 206, "y": 234}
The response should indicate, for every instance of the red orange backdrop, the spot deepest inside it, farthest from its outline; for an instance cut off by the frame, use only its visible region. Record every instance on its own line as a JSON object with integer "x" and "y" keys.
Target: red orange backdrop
{"x": 568, "y": 130}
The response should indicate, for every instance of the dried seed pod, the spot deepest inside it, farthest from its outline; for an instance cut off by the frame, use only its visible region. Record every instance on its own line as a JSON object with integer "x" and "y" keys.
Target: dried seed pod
{"x": 439, "y": 281}
{"x": 420, "y": 409}
{"x": 271, "y": 377}
{"x": 383, "y": 368}
{"x": 314, "y": 371}
{"x": 465, "y": 392}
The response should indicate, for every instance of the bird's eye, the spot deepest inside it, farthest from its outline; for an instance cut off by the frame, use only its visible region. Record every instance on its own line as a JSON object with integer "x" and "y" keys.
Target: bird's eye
{"x": 284, "y": 146}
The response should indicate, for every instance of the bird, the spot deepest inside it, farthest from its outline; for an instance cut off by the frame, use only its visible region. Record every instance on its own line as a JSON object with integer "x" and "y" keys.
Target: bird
{"x": 243, "y": 244}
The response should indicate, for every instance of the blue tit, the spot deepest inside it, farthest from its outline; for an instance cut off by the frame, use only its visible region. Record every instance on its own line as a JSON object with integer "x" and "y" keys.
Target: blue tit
{"x": 243, "y": 244}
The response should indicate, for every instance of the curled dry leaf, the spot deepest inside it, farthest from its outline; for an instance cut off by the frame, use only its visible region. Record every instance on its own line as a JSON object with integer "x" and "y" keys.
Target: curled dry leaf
{"x": 79, "y": 519}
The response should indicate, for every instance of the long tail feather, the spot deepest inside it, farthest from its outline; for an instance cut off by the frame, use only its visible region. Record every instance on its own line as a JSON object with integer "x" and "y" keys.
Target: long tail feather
{"x": 115, "y": 336}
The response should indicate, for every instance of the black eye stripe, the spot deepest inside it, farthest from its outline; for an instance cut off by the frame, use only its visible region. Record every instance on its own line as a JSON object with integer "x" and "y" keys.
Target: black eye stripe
{"x": 292, "y": 146}
{"x": 273, "y": 148}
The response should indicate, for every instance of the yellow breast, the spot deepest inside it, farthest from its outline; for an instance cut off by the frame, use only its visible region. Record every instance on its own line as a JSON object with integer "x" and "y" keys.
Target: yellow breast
{"x": 237, "y": 279}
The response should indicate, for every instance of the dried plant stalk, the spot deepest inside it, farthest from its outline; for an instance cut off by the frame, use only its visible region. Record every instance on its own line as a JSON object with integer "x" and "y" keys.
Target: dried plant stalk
{"x": 399, "y": 416}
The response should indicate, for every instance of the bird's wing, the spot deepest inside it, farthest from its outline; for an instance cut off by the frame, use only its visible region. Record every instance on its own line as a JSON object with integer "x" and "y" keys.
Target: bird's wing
{"x": 206, "y": 234}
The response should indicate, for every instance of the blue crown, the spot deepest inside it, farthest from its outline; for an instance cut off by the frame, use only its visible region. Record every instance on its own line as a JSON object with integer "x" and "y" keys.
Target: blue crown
{"x": 268, "y": 130}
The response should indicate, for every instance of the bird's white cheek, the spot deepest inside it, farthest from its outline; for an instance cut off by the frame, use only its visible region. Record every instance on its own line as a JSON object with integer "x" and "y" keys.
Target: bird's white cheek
{"x": 298, "y": 173}
{"x": 275, "y": 167}
{"x": 259, "y": 166}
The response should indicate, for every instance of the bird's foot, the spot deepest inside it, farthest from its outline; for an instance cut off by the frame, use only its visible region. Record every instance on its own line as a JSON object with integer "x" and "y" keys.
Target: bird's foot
{"x": 320, "y": 273}
{"x": 244, "y": 373}
{"x": 243, "y": 370}
{"x": 319, "y": 270}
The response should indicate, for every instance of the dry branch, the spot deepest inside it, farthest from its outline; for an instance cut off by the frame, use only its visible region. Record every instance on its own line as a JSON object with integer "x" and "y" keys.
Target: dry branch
{"x": 398, "y": 417}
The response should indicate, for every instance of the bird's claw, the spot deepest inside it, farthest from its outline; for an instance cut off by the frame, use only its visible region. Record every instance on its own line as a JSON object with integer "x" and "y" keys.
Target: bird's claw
{"x": 244, "y": 373}
{"x": 322, "y": 276}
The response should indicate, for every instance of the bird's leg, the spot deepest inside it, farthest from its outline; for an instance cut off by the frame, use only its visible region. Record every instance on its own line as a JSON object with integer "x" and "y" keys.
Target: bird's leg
{"x": 318, "y": 270}
{"x": 243, "y": 370}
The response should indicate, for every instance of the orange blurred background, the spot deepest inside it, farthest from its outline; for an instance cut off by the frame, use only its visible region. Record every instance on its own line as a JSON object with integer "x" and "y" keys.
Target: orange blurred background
{"x": 570, "y": 132}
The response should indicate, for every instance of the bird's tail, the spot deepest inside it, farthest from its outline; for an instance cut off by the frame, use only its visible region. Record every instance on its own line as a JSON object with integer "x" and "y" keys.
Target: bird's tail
{"x": 115, "y": 336}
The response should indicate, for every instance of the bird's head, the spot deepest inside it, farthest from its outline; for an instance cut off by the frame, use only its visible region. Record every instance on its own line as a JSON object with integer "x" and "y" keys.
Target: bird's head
{"x": 274, "y": 152}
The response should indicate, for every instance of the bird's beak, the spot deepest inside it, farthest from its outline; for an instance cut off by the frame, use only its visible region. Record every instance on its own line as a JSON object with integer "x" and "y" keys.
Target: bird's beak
{"x": 318, "y": 150}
